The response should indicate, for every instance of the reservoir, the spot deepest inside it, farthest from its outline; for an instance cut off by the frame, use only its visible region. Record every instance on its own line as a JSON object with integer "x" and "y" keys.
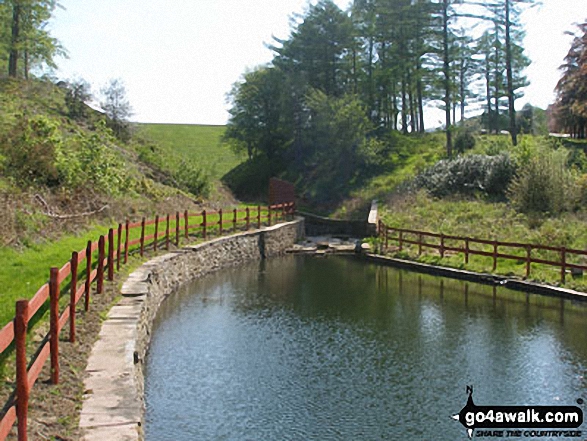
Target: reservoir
{"x": 307, "y": 348}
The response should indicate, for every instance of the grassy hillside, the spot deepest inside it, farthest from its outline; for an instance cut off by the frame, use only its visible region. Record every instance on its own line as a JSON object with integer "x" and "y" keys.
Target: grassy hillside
{"x": 535, "y": 192}
{"x": 203, "y": 144}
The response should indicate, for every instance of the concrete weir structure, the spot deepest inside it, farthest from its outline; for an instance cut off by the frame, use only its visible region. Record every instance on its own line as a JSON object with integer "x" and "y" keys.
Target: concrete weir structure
{"x": 113, "y": 405}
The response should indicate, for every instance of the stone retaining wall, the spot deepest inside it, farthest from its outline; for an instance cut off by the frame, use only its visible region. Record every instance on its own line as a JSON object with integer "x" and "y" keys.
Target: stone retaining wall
{"x": 113, "y": 407}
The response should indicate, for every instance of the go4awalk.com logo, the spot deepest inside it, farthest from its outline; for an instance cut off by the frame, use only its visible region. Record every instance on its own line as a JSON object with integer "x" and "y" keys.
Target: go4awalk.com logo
{"x": 520, "y": 421}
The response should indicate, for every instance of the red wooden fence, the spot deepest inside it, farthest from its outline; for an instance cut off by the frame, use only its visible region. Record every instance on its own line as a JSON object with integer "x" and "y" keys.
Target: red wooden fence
{"x": 566, "y": 258}
{"x": 111, "y": 250}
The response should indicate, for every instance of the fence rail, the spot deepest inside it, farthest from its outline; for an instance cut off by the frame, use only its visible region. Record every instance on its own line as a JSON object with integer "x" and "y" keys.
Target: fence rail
{"x": 99, "y": 260}
{"x": 561, "y": 257}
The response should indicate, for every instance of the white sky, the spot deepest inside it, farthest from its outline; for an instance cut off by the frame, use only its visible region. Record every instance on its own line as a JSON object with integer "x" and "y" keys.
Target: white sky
{"x": 179, "y": 59}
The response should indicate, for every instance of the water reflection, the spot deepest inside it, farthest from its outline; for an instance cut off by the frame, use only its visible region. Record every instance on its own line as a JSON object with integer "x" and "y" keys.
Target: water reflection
{"x": 305, "y": 348}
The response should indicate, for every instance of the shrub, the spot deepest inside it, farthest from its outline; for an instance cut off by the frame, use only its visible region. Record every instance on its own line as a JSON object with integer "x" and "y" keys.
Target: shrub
{"x": 190, "y": 177}
{"x": 90, "y": 160}
{"x": 29, "y": 150}
{"x": 543, "y": 184}
{"x": 464, "y": 141}
{"x": 468, "y": 174}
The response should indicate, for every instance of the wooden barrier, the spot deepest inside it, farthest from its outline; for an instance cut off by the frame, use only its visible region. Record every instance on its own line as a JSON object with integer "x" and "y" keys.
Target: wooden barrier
{"x": 97, "y": 261}
{"x": 487, "y": 248}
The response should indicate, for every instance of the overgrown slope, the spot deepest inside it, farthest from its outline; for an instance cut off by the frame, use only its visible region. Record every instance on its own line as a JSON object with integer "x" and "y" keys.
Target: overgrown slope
{"x": 60, "y": 174}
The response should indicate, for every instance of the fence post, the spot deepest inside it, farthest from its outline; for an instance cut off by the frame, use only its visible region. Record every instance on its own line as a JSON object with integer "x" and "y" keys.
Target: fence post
{"x": 54, "y": 322}
{"x": 401, "y": 240}
{"x": 100, "y": 276}
{"x": 156, "y": 233}
{"x": 494, "y": 255}
{"x": 22, "y": 382}
{"x": 204, "y": 225}
{"x": 126, "y": 230}
{"x": 467, "y": 250}
{"x": 248, "y": 219}
{"x": 167, "y": 232}
{"x": 177, "y": 228}
{"x": 258, "y": 216}
{"x": 234, "y": 212}
{"x": 110, "y": 255}
{"x": 73, "y": 292}
{"x": 563, "y": 264}
{"x": 142, "y": 252}
{"x": 528, "y": 260}
{"x": 186, "y": 223}
{"x": 441, "y": 245}
{"x": 386, "y": 238}
{"x": 269, "y": 215}
{"x": 88, "y": 275}
{"x": 220, "y": 222}
{"x": 118, "y": 246}
{"x": 419, "y": 244}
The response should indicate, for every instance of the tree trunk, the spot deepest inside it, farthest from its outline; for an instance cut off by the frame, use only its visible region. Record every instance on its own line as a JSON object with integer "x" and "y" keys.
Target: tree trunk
{"x": 510, "y": 81}
{"x": 421, "y": 127}
{"x": 404, "y": 106}
{"x": 497, "y": 81}
{"x": 15, "y": 41}
{"x": 446, "y": 71}
{"x": 488, "y": 91}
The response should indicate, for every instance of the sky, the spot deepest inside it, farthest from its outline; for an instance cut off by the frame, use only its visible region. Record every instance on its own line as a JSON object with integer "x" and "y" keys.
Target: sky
{"x": 178, "y": 62}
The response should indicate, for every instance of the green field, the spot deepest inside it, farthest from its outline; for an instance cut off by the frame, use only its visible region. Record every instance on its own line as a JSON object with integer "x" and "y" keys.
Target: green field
{"x": 203, "y": 144}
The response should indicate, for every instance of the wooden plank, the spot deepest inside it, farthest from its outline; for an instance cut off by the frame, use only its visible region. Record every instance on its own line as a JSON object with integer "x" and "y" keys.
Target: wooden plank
{"x": 6, "y": 336}
{"x": 38, "y": 364}
{"x": 63, "y": 320}
{"x": 81, "y": 255}
{"x": 545, "y": 262}
{"x": 150, "y": 222}
{"x": 7, "y": 422}
{"x": 578, "y": 252}
{"x": 134, "y": 224}
{"x": 576, "y": 266}
{"x": 64, "y": 271}
{"x": 79, "y": 293}
{"x": 134, "y": 242}
{"x": 38, "y": 300}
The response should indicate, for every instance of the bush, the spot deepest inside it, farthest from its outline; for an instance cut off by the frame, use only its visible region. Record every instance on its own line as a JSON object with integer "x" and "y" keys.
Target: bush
{"x": 190, "y": 177}
{"x": 29, "y": 151}
{"x": 464, "y": 141}
{"x": 490, "y": 175}
{"x": 544, "y": 184}
{"x": 90, "y": 160}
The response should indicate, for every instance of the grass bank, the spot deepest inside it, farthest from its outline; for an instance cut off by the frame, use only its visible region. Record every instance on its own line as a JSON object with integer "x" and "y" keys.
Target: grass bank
{"x": 492, "y": 221}
{"x": 201, "y": 143}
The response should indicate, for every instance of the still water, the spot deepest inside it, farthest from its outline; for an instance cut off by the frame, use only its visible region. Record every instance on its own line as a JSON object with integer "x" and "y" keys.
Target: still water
{"x": 306, "y": 348}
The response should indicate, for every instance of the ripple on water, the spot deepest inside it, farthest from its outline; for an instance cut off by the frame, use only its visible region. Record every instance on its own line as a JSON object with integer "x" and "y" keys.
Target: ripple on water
{"x": 258, "y": 353}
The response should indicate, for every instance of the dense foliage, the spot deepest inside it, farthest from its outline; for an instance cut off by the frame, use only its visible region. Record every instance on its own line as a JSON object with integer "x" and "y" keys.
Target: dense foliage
{"x": 25, "y": 41}
{"x": 343, "y": 81}
{"x": 571, "y": 105}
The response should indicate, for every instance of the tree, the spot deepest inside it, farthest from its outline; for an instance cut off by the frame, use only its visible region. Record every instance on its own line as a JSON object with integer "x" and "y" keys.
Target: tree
{"x": 116, "y": 107}
{"x": 76, "y": 96}
{"x": 256, "y": 117}
{"x": 338, "y": 125}
{"x": 26, "y": 39}
{"x": 318, "y": 49}
{"x": 571, "y": 103}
